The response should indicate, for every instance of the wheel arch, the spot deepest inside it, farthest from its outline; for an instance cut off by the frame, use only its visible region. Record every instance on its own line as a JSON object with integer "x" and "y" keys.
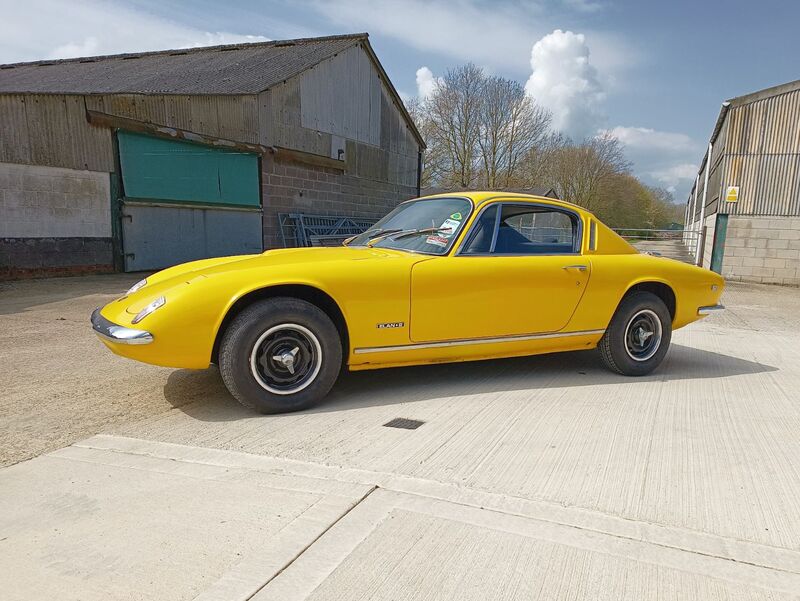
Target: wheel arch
{"x": 658, "y": 287}
{"x": 306, "y": 292}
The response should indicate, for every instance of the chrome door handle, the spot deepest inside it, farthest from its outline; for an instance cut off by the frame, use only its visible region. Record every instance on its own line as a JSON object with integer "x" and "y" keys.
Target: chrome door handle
{"x": 578, "y": 267}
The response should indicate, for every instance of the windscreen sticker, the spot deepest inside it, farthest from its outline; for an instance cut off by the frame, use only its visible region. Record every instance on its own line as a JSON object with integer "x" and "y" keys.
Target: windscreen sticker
{"x": 456, "y": 216}
{"x": 448, "y": 227}
{"x": 437, "y": 240}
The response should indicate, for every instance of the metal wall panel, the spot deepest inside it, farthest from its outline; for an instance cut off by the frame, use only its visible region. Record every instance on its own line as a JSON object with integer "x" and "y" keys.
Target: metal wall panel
{"x": 290, "y": 113}
{"x": 51, "y": 130}
{"x": 230, "y": 117}
{"x": 279, "y": 121}
{"x": 15, "y": 141}
{"x": 761, "y": 145}
{"x": 156, "y": 236}
{"x": 342, "y": 96}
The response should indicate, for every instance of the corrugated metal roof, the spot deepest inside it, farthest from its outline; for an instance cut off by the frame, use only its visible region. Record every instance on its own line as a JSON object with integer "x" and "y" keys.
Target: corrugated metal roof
{"x": 231, "y": 69}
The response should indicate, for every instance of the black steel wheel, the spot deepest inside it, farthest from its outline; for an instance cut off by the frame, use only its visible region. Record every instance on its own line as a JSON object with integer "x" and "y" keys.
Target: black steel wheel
{"x": 638, "y": 337}
{"x": 286, "y": 358}
{"x": 643, "y": 335}
{"x": 281, "y": 354}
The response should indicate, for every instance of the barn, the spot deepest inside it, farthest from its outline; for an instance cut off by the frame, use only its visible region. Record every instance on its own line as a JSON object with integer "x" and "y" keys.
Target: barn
{"x": 743, "y": 213}
{"x": 140, "y": 161}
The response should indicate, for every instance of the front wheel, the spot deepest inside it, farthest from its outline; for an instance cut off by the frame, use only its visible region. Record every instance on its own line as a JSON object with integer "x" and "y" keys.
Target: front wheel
{"x": 638, "y": 337}
{"x": 281, "y": 354}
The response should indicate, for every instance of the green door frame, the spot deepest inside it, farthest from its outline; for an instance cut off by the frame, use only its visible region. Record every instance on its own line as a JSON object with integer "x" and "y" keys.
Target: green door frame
{"x": 718, "y": 246}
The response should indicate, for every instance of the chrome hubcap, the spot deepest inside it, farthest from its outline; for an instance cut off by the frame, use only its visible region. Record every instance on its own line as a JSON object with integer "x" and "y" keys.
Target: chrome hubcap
{"x": 286, "y": 358}
{"x": 643, "y": 335}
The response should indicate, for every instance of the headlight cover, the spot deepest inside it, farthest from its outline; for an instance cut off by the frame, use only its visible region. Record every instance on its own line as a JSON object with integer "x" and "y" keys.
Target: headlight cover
{"x": 156, "y": 304}
{"x": 137, "y": 286}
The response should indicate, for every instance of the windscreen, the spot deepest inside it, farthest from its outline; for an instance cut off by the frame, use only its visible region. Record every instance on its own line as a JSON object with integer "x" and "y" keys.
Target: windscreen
{"x": 427, "y": 226}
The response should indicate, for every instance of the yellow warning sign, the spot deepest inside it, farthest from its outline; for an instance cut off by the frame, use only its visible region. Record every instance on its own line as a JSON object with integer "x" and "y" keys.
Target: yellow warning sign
{"x": 732, "y": 195}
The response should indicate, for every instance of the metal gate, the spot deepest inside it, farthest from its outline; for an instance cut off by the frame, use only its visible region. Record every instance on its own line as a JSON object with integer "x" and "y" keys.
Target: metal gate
{"x": 184, "y": 201}
{"x": 302, "y": 229}
{"x": 675, "y": 244}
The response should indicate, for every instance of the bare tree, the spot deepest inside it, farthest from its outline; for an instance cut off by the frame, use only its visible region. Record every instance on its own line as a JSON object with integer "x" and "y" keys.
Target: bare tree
{"x": 436, "y": 165}
{"x": 511, "y": 125}
{"x": 454, "y": 111}
{"x": 578, "y": 172}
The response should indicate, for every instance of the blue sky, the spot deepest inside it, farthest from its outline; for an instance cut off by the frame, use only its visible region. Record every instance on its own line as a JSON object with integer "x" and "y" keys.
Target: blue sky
{"x": 654, "y": 73}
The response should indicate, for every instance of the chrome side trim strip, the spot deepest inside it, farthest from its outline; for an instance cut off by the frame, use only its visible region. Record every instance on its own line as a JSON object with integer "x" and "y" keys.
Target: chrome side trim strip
{"x": 710, "y": 309}
{"x": 467, "y": 341}
{"x": 121, "y": 335}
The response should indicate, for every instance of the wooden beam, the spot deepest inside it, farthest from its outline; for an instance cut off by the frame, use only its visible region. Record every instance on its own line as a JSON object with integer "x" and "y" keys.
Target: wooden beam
{"x": 308, "y": 158}
{"x": 115, "y": 121}
{"x": 282, "y": 154}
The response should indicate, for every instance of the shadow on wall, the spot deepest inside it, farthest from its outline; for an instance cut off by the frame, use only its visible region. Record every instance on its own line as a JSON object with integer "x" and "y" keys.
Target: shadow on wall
{"x": 410, "y": 384}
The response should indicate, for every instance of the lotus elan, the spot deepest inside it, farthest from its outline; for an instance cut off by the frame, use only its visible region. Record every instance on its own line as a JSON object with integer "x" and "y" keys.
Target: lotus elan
{"x": 452, "y": 277}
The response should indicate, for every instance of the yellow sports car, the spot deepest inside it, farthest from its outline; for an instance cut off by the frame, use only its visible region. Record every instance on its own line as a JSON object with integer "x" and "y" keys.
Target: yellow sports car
{"x": 451, "y": 277}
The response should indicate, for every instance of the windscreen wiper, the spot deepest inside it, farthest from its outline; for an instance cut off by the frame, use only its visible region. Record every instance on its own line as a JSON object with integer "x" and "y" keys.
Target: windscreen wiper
{"x": 397, "y": 234}
{"x": 427, "y": 230}
{"x": 378, "y": 233}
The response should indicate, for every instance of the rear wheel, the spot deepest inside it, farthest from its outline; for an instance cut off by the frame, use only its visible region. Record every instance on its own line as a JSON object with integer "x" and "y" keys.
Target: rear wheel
{"x": 279, "y": 355}
{"x": 638, "y": 337}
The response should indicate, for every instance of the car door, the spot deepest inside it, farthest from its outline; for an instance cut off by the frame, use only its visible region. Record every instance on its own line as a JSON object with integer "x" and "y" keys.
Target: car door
{"x": 519, "y": 271}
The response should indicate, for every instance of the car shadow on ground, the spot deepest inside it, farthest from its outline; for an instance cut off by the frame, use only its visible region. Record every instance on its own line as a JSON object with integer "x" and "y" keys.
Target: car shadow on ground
{"x": 213, "y": 403}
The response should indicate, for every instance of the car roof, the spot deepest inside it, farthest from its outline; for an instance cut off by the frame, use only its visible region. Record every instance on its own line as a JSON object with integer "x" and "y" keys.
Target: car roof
{"x": 480, "y": 197}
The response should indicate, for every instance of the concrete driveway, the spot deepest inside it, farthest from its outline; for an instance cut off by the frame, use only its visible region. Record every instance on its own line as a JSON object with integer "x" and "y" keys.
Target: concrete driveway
{"x": 534, "y": 478}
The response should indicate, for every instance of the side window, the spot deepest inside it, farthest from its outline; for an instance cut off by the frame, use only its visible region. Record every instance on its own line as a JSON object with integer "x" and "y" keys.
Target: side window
{"x": 532, "y": 230}
{"x": 480, "y": 236}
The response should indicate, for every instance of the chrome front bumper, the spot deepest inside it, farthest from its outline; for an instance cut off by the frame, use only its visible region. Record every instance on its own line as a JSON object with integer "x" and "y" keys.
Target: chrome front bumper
{"x": 710, "y": 309}
{"x": 119, "y": 334}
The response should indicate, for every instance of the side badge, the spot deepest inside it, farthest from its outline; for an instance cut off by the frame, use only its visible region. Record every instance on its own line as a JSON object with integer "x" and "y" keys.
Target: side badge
{"x": 391, "y": 324}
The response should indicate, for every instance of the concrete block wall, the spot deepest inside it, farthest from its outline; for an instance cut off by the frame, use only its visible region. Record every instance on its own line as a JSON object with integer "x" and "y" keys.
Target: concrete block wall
{"x": 289, "y": 187}
{"x": 763, "y": 249}
{"x": 53, "y": 220}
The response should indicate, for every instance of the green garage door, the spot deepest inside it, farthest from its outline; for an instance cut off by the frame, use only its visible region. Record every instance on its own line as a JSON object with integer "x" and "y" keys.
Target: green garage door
{"x": 159, "y": 169}
{"x": 185, "y": 201}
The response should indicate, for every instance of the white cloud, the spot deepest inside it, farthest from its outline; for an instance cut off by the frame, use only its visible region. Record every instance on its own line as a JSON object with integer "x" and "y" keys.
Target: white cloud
{"x": 659, "y": 157}
{"x": 39, "y": 29}
{"x": 426, "y": 82}
{"x": 675, "y": 173}
{"x": 643, "y": 137}
{"x": 565, "y": 82}
{"x": 494, "y": 35}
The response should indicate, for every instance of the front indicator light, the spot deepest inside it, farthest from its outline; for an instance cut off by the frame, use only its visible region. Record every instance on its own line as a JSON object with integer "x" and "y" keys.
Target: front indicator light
{"x": 156, "y": 304}
{"x": 137, "y": 286}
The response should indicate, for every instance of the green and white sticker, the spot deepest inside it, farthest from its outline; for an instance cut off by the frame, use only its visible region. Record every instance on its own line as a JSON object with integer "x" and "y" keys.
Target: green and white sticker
{"x": 449, "y": 227}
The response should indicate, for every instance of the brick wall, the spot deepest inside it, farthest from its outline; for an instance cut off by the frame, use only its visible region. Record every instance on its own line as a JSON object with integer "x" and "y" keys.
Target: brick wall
{"x": 763, "y": 249}
{"x": 299, "y": 188}
{"x": 38, "y": 257}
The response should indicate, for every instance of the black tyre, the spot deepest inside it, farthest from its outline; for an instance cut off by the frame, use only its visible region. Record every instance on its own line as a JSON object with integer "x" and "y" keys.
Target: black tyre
{"x": 638, "y": 337}
{"x": 279, "y": 355}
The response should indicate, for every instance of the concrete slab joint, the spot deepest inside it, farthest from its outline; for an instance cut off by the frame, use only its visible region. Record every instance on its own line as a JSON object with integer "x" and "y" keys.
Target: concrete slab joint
{"x": 325, "y": 527}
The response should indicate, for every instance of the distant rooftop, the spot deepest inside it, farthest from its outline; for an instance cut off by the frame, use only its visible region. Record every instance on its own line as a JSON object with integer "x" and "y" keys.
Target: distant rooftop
{"x": 533, "y": 191}
{"x": 247, "y": 68}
